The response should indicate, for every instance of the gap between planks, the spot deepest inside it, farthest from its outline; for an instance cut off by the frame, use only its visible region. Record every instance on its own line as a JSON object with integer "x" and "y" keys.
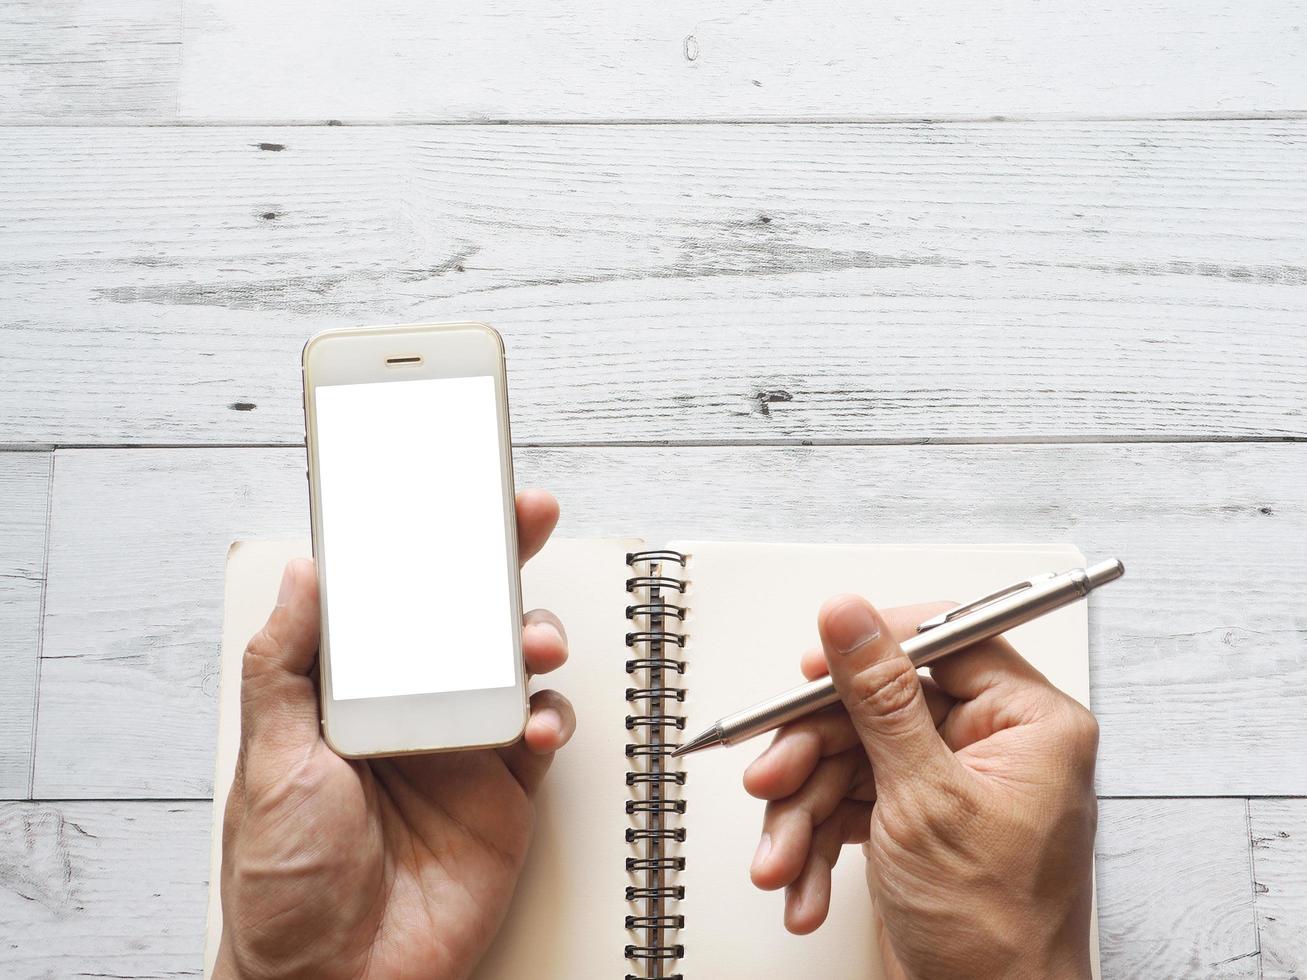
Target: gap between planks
{"x": 780, "y": 315}
{"x": 1050, "y": 440}
{"x": 40, "y": 629}
{"x": 143, "y": 621}
{"x": 91, "y": 122}
{"x": 1252, "y": 881}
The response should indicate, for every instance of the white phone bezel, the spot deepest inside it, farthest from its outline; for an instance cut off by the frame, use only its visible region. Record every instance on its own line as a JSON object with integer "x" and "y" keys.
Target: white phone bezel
{"x": 364, "y": 727}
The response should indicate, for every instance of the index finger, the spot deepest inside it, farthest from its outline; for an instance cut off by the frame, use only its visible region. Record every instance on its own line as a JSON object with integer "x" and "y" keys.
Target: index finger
{"x": 984, "y": 666}
{"x": 537, "y": 514}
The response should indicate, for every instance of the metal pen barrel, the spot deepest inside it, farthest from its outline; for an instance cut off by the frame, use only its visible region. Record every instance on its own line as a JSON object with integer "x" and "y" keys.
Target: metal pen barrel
{"x": 947, "y": 637}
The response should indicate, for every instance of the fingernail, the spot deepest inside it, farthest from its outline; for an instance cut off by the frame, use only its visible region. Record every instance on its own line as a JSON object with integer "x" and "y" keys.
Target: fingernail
{"x": 287, "y": 586}
{"x": 544, "y": 626}
{"x": 550, "y": 718}
{"x": 764, "y": 848}
{"x": 851, "y": 626}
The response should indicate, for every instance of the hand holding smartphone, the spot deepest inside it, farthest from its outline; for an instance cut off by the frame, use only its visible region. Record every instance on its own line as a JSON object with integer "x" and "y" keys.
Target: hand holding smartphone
{"x": 414, "y": 533}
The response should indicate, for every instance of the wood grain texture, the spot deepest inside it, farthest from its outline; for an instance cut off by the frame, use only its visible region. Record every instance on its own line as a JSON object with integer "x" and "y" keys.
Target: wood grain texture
{"x": 92, "y": 889}
{"x": 970, "y": 282}
{"x": 225, "y": 60}
{"x": 1279, "y": 859}
{"x": 1184, "y": 908}
{"x": 876, "y": 283}
{"x": 24, "y": 498}
{"x": 1195, "y": 641}
{"x": 73, "y": 60}
{"x": 104, "y": 888}
{"x": 515, "y": 59}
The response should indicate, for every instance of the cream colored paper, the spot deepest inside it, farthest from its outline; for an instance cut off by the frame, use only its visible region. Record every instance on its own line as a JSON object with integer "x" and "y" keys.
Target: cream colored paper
{"x": 567, "y": 916}
{"x": 753, "y": 611}
{"x": 253, "y": 577}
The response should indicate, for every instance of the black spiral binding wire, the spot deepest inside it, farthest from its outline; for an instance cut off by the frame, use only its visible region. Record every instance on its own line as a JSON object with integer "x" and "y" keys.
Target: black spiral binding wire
{"x": 656, "y": 584}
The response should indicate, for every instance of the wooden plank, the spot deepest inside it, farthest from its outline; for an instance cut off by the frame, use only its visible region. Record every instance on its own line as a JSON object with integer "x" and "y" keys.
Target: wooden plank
{"x": 24, "y": 489}
{"x": 75, "y": 61}
{"x": 1180, "y": 649}
{"x": 874, "y": 283}
{"x": 160, "y": 632}
{"x": 103, "y": 889}
{"x": 119, "y": 888}
{"x": 1279, "y": 858}
{"x": 519, "y": 60}
{"x": 72, "y": 60}
{"x": 1174, "y": 893}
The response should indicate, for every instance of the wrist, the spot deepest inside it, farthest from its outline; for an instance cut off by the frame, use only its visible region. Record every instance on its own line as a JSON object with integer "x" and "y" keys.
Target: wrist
{"x": 1071, "y": 955}
{"x": 1065, "y": 964}
{"x": 224, "y": 966}
{"x": 1065, "y": 955}
{"x": 229, "y": 966}
{"x": 1032, "y": 952}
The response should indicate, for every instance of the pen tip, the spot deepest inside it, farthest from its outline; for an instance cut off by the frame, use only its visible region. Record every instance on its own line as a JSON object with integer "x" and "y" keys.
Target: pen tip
{"x": 701, "y": 741}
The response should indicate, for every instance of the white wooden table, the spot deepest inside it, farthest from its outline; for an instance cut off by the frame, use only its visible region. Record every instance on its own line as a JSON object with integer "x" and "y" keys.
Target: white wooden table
{"x": 905, "y": 272}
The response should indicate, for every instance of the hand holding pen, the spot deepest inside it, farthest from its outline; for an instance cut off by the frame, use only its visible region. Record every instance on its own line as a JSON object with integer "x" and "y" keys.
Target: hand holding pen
{"x": 979, "y": 844}
{"x": 953, "y": 629}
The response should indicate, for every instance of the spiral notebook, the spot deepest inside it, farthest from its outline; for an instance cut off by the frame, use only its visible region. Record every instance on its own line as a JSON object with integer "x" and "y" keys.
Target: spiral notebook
{"x": 640, "y": 863}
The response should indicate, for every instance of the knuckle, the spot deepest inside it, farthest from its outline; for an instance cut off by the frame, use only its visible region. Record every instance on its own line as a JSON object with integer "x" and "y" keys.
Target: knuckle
{"x": 896, "y": 832}
{"x": 280, "y": 783}
{"x": 262, "y": 670}
{"x": 1080, "y": 729}
{"x": 260, "y": 653}
{"x": 887, "y": 690}
{"x": 939, "y": 814}
{"x": 948, "y": 812}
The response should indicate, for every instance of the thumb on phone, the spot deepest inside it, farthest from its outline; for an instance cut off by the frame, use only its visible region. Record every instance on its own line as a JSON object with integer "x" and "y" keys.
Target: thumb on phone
{"x": 882, "y": 693}
{"x": 279, "y": 703}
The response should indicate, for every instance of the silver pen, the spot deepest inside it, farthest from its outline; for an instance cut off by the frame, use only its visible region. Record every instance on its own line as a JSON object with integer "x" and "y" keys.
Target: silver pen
{"x": 936, "y": 637}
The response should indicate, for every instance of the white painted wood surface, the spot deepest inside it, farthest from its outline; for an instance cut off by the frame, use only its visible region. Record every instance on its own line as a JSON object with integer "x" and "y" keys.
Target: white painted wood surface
{"x": 118, "y": 888}
{"x": 223, "y": 60}
{"x": 875, "y": 283}
{"x": 1182, "y": 908}
{"x": 308, "y": 59}
{"x": 1198, "y": 639}
{"x": 1279, "y": 856}
{"x": 24, "y": 487}
{"x": 82, "y": 59}
{"x": 103, "y": 889}
{"x": 1079, "y": 278}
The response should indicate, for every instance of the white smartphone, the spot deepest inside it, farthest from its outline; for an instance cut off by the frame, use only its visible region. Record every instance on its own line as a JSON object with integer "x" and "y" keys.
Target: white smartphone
{"x": 415, "y": 537}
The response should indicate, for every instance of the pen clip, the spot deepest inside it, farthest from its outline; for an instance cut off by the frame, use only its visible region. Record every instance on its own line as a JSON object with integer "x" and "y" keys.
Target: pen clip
{"x": 974, "y": 604}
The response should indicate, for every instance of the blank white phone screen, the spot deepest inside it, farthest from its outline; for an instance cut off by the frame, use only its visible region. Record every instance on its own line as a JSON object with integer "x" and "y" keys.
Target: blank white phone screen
{"x": 414, "y": 546}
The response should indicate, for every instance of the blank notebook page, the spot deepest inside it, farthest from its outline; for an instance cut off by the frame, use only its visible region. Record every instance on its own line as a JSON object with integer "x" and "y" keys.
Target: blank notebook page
{"x": 753, "y": 611}
{"x": 566, "y": 918}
